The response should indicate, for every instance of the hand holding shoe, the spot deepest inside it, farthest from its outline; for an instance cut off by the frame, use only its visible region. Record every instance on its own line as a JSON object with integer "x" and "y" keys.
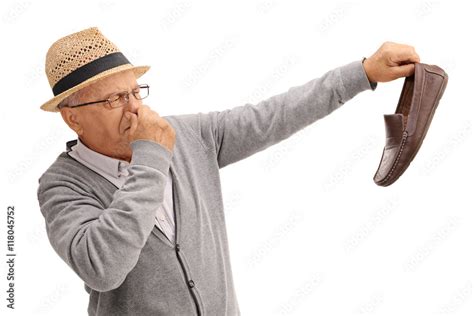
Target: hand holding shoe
{"x": 391, "y": 61}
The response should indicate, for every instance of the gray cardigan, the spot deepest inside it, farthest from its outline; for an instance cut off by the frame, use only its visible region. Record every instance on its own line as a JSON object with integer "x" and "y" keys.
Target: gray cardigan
{"x": 108, "y": 236}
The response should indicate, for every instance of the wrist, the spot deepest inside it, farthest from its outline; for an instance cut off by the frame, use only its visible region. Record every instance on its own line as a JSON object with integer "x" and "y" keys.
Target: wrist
{"x": 366, "y": 63}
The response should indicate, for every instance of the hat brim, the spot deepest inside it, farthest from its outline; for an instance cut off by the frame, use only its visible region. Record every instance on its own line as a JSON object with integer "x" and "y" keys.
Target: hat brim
{"x": 52, "y": 105}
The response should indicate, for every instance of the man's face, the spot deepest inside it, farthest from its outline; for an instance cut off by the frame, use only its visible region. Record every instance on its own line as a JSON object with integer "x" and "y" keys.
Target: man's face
{"x": 101, "y": 129}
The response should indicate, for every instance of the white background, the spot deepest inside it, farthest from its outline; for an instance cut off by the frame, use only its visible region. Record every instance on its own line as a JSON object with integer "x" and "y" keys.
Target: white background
{"x": 310, "y": 233}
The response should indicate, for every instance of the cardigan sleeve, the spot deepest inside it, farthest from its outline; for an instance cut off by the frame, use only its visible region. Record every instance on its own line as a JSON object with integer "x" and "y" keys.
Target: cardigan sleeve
{"x": 236, "y": 133}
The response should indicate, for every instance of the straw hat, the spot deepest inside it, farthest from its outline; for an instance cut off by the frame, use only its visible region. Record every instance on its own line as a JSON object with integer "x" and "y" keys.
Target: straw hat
{"x": 80, "y": 59}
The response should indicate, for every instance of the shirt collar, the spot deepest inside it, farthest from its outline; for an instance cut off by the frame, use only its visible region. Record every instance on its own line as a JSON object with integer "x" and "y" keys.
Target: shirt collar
{"x": 114, "y": 167}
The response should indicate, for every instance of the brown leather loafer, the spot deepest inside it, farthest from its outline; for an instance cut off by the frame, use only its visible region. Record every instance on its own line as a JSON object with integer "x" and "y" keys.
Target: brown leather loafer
{"x": 407, "y": 127}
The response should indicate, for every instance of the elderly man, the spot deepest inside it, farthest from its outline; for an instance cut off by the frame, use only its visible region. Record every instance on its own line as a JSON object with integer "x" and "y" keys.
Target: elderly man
{"x": 134, "y": 204}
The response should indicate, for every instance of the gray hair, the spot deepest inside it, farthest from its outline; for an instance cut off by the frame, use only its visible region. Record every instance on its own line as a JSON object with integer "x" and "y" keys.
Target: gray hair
{"x": 73, "y": 99}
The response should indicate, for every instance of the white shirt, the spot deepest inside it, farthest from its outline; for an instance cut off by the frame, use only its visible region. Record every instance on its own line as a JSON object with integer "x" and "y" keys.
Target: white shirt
{"x": 116, "y": 171}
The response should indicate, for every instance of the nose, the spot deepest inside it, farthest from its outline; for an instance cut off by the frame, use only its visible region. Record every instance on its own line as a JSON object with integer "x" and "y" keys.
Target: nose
{"x": 133, "y": 104}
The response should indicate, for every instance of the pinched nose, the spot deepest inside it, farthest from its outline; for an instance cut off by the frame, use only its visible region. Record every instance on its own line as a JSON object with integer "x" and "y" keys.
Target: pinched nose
{"x": 133, "y": 105}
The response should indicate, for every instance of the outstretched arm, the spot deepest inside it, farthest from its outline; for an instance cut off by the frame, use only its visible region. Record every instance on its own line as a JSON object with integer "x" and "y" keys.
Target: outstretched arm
{"x": 237, "y": 133}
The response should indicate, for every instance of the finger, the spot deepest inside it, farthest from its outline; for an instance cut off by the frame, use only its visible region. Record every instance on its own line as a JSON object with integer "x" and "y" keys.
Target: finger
{"x": 403, "y": 71}
{"x": 144, "y": 108}
{"x": 406, "y": 54}
{"x": 133, "y": 124}
{"x": 140, "y": 110}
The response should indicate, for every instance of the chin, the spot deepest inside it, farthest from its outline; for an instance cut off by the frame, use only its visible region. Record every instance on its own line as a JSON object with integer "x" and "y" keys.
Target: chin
{"x": 121, "y": 149}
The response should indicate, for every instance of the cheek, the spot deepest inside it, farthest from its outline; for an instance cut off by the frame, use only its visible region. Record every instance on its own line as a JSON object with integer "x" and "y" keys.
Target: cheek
{"x": 104, "y": 124}
{"x": 113, "y": 122}
{"x": 111, "y": 125}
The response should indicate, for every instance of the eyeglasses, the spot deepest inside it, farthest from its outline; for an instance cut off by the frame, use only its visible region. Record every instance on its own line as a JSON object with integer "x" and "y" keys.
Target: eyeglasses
{"x": 119, "y": 99}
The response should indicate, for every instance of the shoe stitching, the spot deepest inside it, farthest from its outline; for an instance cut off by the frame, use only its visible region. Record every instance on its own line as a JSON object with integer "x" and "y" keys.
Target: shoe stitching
{"x": 404, "y": 139}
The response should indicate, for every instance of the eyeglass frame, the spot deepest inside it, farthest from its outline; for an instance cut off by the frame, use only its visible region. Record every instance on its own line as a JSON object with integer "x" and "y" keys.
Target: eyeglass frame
{"x": 140, "y": 86}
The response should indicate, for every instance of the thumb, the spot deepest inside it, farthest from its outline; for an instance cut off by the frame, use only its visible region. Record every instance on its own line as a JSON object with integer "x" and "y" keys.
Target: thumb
{"x": 133, "y": 123}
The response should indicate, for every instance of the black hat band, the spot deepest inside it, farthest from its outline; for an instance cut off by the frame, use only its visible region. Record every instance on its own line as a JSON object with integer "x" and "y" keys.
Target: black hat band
{"x": 89, "y": 70}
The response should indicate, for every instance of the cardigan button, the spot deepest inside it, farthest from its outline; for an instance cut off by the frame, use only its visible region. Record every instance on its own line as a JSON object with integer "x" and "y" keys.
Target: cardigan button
{"x": 177, "y": 247}
{"x": 191, "y": 283}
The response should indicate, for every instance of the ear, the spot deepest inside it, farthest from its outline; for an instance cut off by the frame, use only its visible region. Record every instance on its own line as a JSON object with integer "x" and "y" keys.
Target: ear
{"x": 71, "y": 117}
